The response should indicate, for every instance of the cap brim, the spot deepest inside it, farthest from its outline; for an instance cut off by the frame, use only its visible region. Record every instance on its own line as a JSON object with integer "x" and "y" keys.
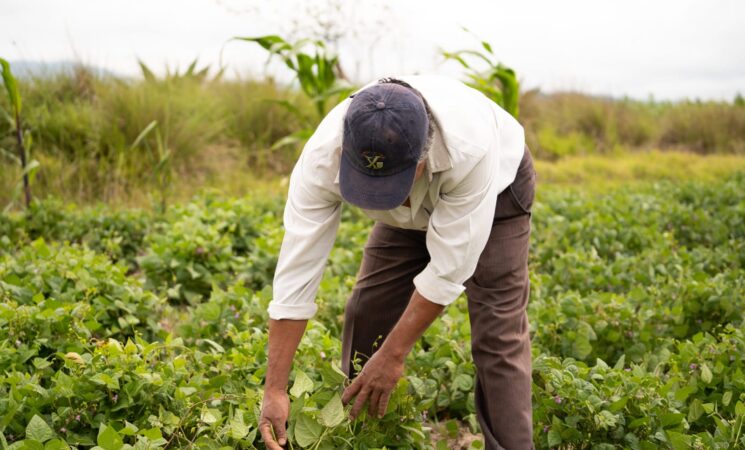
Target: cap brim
{"x": 374, "y": 192}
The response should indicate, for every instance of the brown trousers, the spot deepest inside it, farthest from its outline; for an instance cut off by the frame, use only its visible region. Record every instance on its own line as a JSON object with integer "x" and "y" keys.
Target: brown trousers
{"x": 497, "y": 299}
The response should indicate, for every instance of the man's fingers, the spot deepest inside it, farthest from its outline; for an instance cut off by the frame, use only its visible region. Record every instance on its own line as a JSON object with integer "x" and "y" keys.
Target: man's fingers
{"x": 351, "y": 390}
{"x": 383, "y": 404}
{"x": 372, "y": 406}
{"x": 266, "y": 435}
{"x": 280, "y": 431}
{"x": 361, "y": 397}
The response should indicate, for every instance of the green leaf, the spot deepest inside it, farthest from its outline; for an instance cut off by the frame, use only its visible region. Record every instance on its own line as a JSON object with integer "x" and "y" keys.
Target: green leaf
{"x": 620, "y": 363}
{"x": 105, "y": 380}
{"x": 237, "y": 428}
{"x": 727, "y": 398}
{"x": 218, "y": 348}
{"x": 740, "y": 409}
{"x": 554, "y": 438}
{"x": 56, "y": 444}
{"x": 38, "y": 430}
{"x": 145, "y": 131}
{"x": 307, "y": 431}
{"x": 695, "y": 410}
{"x": 41, "y": 248}
{"x": 302, "y": 384}
{"x": 26, "y": 444}
{"x": 152, "y": 434}
{"x": 210, "y": 416}
{"x": 619, "y": 404}
{"x": 684, "y": 392}
{"x": 271, "y": 42}
{"x": 679, "y": 441}
{"x": 109, "y": 439}
{"x": 11, "y": 87}
{"x": 671, "y": 419}
{"x": 297, "y": 137}
{"x": 147, "y": 74}
{"x": 129, "y": 429}
{"x": 333, "y": 413}
{"x": 706, "y": 375}
{"x": 463, "y": 382}
{"x": 581, "y": 347}
{"x": 332, "y": 374}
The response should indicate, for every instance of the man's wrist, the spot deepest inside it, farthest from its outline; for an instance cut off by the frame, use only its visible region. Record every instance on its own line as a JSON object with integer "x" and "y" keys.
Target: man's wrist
{"x": 395, "y": 351}
{"x": 270, "y": 389}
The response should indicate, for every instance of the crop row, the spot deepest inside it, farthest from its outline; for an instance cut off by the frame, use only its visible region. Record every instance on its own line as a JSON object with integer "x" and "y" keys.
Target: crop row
{"x": 130, "y": 329}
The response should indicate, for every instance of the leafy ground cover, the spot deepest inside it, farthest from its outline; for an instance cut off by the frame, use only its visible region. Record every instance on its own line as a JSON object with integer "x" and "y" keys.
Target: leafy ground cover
{"x": 130, "y": 329}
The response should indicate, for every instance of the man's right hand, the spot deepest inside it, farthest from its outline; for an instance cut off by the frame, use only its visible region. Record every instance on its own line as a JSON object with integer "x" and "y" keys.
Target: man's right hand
{"x": 275, "y": 410}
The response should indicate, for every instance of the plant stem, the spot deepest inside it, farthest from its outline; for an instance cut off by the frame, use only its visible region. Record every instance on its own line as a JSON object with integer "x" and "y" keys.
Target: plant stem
{"x": 22, "y": 152}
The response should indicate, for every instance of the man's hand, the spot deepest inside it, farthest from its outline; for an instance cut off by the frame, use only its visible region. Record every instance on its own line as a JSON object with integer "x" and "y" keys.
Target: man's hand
{"x": 374, "y": 384}
{"x": 382, "y": 371}
{"x": 275, "y": 410}
{"x": 284, "y": 337}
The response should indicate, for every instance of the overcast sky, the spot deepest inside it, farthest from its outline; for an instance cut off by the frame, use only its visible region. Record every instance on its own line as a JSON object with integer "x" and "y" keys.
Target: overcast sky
{"x": 669, "y": 49}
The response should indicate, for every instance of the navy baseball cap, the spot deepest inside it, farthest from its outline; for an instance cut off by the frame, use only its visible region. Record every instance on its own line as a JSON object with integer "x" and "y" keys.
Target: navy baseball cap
{"x": 385, "y": 131}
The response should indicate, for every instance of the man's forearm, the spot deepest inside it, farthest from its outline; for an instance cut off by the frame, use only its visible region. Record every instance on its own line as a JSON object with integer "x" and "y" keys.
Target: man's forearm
{"x": 418, "y": 316}
{"x": 284, "y": 337}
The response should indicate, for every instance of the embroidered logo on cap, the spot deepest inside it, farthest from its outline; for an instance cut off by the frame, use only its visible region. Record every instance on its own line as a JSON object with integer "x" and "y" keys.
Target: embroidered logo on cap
{"x": 374, "y": 160}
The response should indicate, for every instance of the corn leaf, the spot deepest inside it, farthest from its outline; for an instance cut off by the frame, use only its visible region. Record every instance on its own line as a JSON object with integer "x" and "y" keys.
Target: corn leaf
{"x": 11, "y": 87}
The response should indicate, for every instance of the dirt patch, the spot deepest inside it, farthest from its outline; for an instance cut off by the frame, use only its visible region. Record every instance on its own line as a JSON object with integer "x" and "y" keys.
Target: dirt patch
{"x": 455, "y": 435}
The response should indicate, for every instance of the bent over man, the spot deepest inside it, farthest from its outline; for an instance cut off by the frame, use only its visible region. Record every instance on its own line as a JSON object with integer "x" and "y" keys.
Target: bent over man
{"x": 446, "y": 176}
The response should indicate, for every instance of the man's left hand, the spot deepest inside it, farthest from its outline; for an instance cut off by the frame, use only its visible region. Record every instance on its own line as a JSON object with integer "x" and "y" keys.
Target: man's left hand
{"x": 374, "y": 384}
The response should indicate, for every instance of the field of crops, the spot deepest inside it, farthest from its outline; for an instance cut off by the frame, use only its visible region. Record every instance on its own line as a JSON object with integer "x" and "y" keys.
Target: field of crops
{"x": 127, "y": 329}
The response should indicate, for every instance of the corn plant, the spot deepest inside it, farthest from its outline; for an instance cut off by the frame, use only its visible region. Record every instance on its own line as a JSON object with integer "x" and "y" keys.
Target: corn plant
{"x": 319, "y": 74}
{"x": 28, "y": 170}
{"x": 496, "y": 81}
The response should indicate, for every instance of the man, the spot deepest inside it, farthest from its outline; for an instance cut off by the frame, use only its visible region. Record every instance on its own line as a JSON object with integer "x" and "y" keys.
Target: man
{"x": 446, "y": 174}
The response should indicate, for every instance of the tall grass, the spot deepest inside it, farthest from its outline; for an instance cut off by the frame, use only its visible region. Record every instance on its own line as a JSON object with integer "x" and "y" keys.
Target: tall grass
{"x": 220, "y": 132}
{"x": 564, "y": 124}
{"x": 83, "y": 128}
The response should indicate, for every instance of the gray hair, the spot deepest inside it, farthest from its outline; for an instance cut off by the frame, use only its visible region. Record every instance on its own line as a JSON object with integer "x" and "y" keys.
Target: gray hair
{"x": 430, "y": 117}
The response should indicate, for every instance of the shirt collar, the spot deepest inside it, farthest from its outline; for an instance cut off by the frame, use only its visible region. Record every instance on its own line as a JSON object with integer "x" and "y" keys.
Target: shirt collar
{"x": 438, "y": 159}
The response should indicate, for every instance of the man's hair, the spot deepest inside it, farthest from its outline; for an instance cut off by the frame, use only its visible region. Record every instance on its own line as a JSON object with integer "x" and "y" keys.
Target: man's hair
{"x": 430, "y": 118}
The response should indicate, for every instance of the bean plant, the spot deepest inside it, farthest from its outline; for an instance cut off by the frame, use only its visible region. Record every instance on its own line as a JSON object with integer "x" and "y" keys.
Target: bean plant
{"x": 130, "y": 329}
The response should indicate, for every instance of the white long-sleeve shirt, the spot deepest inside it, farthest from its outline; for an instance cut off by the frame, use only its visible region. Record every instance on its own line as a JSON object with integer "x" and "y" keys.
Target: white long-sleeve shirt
{"x": 475, "y": 154}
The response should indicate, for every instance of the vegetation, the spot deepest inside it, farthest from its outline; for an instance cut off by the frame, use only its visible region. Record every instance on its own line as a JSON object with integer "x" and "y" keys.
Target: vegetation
{"x": 84, "y": 127}
{"x": 146, "y": 327}
{"x": 319, "y": 75}
{"x": 496, "y": 81}
{"x": 570, "y": 124}
{"x": 222, "y": 133}
{"x": 135, "y": 328}
{"x": 14, "y": 120}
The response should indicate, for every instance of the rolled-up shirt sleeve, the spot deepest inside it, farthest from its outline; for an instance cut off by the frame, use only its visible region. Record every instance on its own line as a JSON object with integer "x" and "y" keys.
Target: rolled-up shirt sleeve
{"x": 459, "y": 228}
{"x": 311, "y": 219}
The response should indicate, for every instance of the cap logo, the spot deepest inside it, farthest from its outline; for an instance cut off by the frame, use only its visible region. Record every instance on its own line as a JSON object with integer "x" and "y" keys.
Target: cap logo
{"x": 374, "y": 160}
